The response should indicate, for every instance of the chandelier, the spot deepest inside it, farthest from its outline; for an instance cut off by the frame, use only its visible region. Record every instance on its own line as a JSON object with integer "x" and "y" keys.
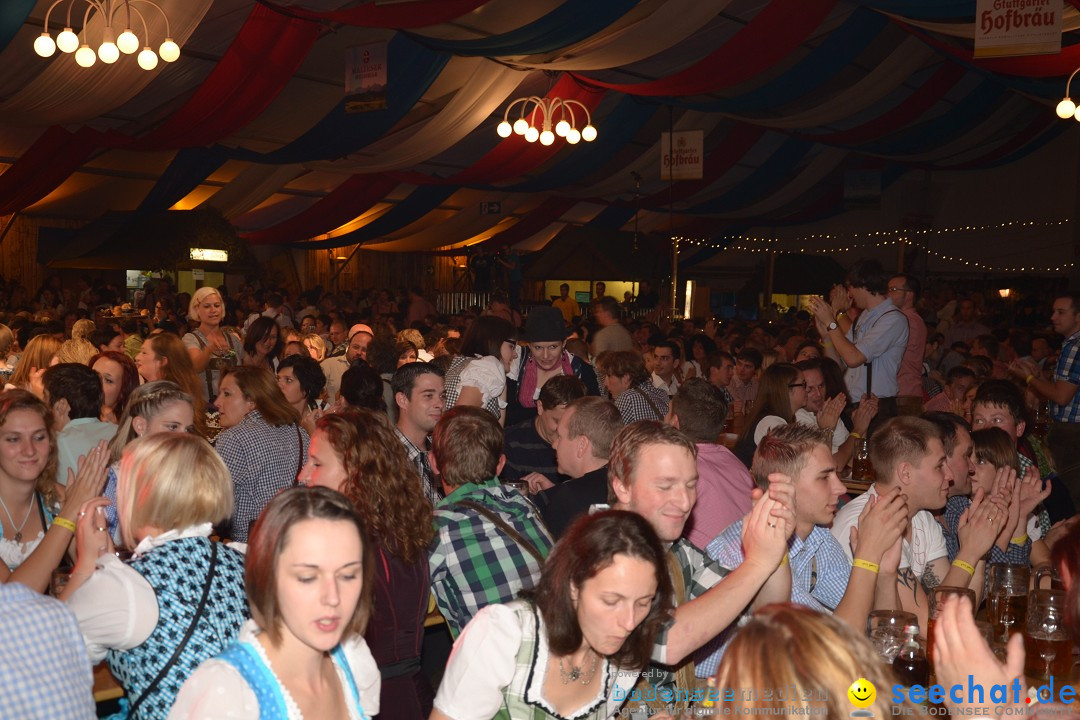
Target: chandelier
{"x": 1067, "y": 108}
{"x": 565, "y": 126}
{"x": 127, "y": 42}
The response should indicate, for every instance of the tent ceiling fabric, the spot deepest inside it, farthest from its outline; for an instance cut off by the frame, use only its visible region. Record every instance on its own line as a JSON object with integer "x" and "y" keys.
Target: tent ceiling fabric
{"x": 791, "y": 95}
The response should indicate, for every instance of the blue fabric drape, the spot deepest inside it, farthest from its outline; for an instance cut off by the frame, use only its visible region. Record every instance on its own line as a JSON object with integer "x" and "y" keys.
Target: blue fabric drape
{"x": 612, "y": 218}
{"x": 571, "y": 22}
{"x": 13, "y": 14}
{"x": 419, "y": 203}
{"x": 186, "y": 171}
{"x": 411, "y": 70}
{"x": 963, "y": 10}
{"x": 765, "y": 180}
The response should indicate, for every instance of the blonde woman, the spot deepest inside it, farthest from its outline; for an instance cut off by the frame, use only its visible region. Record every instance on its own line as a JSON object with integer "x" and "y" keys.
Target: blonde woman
{"x": 181, "y": 599}
{"x": 316, "y": 346}
{"x": 39, "y": 355}
{"x": 211, "y": 347}
{"x": 821, "y": 659}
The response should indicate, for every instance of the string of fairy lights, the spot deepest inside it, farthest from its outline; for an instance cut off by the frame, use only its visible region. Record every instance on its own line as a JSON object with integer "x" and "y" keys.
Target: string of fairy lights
{"x": 878, "y": 239}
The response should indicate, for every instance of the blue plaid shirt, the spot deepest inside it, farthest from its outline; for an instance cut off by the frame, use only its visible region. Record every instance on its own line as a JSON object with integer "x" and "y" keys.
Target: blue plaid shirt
{"x": 44, "y": 669}
{"x": 819, "y": 578}
{"x": 1068, "y": 369}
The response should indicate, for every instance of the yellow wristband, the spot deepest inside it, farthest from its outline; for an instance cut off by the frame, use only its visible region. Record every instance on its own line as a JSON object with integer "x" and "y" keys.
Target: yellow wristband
{"x": 856, "y": 435}
{"x": 64, "y": 523}
{"x": 1028, "y": 379}
{"x": 783, "y": 560}
{"x": 866, "y": 565}
{"x": 1019, "y": 540}
{"x": 969, "y": 569}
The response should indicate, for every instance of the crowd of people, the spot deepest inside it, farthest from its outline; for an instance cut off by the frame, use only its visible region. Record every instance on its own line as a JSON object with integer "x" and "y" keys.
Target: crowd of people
{"x": 252, "y": 506}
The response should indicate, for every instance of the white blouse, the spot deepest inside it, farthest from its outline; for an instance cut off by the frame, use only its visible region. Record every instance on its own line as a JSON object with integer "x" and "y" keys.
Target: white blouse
{"x": 484, "y": 663}
{"x": 116, "y": 607}
{"x": 217, "y": 690}
{"x": 486, "y": 374}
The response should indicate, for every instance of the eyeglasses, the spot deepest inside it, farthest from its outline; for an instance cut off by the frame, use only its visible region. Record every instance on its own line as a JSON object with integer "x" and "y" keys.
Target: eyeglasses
{"x": 795, "y": 385}
{"x": 899, "y": 289}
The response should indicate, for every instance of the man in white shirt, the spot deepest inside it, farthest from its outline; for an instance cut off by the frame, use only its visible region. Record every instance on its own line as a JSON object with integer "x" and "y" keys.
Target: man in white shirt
{"x": 666, "y": 359}
{"x": 333, "y": 368}
{"x": 74, "y": 394}
{"x": 907, "y": 452}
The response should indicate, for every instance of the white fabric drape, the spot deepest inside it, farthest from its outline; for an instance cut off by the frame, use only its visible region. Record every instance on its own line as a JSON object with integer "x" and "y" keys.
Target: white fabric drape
{"x": 815, "y": 171}
{"x": 486, "y": 88}
{"x": 66, "y": 93}
{"x": 252, "y": 186}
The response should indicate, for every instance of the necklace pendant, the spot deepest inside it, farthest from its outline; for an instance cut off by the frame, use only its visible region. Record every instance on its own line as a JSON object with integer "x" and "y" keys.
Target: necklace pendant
{"x": 575, "y": 674}
{"x": 18, "y": 536}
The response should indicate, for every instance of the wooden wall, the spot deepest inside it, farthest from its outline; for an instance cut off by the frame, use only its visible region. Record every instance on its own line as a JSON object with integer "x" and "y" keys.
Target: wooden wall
{"x": 19, "y": 247}
{"x": 372, "y": 269}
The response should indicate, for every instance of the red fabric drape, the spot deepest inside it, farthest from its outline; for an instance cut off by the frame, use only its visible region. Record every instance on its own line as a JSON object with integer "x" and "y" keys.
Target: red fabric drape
{"x": 406, "y": 15}
{"x": 263, "y": 57}
{"x": 41, "y": 169}
{"x": 349, "y": 200}
{"x": 766, "y": 40}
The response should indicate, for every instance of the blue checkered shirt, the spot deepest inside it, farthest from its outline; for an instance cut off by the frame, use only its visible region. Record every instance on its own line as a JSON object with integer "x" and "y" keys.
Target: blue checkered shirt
{"x": 634, "y": 406}
{"x": 819, "y": 578}
{"x": 1068, "y": 369}
{"x": 472, "y": 562}
{"x": 44, "y": 669}
{"x": 263, "y": 459}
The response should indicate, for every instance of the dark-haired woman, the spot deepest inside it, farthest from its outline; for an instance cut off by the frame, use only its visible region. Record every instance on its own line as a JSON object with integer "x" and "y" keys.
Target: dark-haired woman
{"x": 263, "y": 343}
{"x": 119, "y": 377}
{"x": 357, "y": 453}
{"x": 781, "y": 394}
{"x": 575, "y": 648}
{"x": 302, "y": 381}
{"x": 477, "y": 377}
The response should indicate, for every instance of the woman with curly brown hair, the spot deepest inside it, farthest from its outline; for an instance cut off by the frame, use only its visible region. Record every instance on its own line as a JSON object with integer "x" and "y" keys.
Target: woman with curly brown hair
{"x": 357, "y": 453}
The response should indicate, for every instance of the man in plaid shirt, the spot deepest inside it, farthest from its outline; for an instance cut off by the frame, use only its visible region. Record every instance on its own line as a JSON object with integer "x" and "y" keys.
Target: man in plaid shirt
{"x": 489, "y": 540}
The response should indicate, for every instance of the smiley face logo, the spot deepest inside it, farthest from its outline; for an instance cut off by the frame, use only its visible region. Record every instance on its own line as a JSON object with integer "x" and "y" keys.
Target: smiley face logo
{"x": 862, "y": 693}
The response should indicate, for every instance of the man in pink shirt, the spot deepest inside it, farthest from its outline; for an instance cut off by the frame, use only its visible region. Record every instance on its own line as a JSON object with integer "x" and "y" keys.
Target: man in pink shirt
{"x": 724, "y": 484}
{"x": 904, "y": 292}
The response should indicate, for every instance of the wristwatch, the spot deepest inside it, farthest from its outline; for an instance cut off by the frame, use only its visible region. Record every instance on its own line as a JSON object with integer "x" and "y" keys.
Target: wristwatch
{"x": 832, "y": 326}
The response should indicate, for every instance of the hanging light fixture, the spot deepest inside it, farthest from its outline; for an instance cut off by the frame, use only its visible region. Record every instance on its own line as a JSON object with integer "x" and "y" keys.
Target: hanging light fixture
{"x": 565, "y": 126}
{"x": 111, "y": 46}
{"x": 1067, "y": 108}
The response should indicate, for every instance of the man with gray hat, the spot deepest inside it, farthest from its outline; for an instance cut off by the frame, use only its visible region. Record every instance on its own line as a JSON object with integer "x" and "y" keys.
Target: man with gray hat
{"x": 543, "y": 357}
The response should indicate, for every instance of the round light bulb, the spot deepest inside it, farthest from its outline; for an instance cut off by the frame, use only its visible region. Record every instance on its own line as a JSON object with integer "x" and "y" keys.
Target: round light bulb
{"x": 108, "y": 53}
{"x": 169, "y": 50}
{"x": 532, "y": 134}
{"x": 574, "y": 136}
{"x": 147, "y": 59}
{"x": 520, "y": 126}
{"x": 547, "y": 137}
{"x": 67, "y": 41}
{"x": 128, "y": 42}
{"x": 85, "y": 57}
{"x": 1077, "y": 114}
{"x": 44, "y": 45}
{"x": 588, "y": 133}
{"x": 1066, "y": 108}
{"x": 561, "y": 128}
{"x": 504, "y": 129}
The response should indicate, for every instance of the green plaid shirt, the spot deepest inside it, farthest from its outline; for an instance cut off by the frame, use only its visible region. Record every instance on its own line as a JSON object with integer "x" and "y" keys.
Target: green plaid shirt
{"x": 472, "y": 562}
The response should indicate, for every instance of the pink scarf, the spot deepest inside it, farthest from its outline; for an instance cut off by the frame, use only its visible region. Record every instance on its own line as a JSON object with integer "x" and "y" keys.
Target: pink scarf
{"x": 528, "y": 379}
